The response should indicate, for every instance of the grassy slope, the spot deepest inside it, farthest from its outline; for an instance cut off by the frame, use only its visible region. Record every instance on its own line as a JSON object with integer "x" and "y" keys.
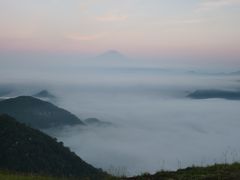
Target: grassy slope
{"x": 215, "y": 172}
{"x": 13, "y": 176}
{"x": 8, "y": 175}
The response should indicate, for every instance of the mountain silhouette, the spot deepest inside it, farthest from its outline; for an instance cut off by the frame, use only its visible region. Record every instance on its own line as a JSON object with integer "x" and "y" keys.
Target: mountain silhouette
{"x": 26, "y": 150}
{"x": 97, "y": 122}
{"x": 37, "y": 113}
{"x": 111, "y": 55}
{"x": 44, "y": 94}
{"x": 208, "y": 94}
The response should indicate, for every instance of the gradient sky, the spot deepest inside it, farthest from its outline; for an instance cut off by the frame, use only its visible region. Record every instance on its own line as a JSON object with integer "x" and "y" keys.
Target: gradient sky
{"x": 135, "y": 27}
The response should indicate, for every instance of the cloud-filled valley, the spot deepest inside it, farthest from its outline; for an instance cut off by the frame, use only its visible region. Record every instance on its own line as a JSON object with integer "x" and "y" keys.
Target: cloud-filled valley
{"x": 155, "y": 125}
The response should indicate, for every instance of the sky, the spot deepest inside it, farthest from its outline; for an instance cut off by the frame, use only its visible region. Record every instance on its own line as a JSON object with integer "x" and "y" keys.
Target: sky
{"x": 151, "y": 28}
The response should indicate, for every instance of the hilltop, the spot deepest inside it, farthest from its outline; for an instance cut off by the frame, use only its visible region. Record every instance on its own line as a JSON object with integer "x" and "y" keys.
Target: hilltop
{"x": 111, "y": 55}
{"x": 44, "y": 94}
{"x": 38, "y": 113}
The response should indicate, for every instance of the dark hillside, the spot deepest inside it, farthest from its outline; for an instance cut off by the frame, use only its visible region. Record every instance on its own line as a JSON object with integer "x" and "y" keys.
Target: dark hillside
{"x": 23, "y": 149}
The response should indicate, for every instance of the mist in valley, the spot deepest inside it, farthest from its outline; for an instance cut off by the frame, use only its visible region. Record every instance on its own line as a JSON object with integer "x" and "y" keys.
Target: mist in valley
{"x": 154, "y": 125}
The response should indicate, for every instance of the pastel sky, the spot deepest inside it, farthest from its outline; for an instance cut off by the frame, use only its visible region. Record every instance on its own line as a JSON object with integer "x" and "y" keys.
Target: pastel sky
{"x": 135, "y": 27}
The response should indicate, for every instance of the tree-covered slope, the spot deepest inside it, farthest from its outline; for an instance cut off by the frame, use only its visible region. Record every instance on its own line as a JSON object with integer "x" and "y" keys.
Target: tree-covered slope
{"x": 37, "y": 113}
{"x": 24, "y": 149}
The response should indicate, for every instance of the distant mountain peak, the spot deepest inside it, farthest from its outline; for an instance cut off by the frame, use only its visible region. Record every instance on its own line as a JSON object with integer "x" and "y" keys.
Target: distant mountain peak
{"x": 113, "y": 51}
{"x": 44, "y": 94}
{"x": 112, "y": 55}
{"x": 96, "y": 122}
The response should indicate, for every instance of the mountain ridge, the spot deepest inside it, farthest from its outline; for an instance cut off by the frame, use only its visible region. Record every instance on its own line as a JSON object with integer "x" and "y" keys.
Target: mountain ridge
{"x": 215, "y": 93}
{"x": 38, "y": 113}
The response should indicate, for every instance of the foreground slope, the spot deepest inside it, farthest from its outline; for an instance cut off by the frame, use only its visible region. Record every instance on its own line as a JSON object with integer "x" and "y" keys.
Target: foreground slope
{"x": 214, "y": 172}
{"x": 26, "y": 150}
{"x": 37, "y": 113}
